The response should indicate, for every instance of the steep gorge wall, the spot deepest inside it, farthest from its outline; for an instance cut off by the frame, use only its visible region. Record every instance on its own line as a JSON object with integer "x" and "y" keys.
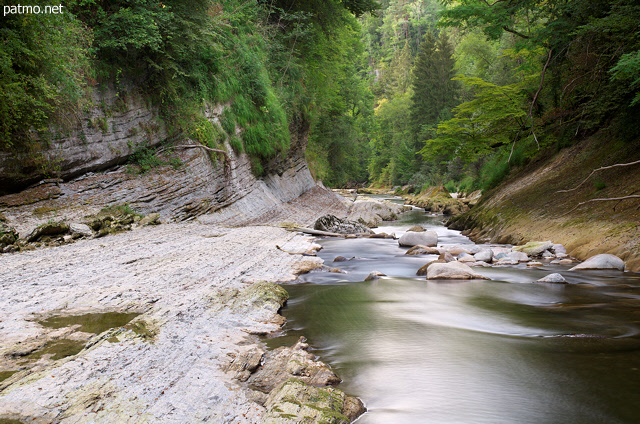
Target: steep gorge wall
{"x": 90, "y": 177}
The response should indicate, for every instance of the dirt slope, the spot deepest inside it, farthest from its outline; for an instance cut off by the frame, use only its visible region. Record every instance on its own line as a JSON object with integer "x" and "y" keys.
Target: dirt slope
{"x": 529, "y": 206}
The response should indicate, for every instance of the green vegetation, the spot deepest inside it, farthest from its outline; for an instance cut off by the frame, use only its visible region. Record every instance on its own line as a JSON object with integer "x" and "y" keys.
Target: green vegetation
{"x": 389, "y": 92}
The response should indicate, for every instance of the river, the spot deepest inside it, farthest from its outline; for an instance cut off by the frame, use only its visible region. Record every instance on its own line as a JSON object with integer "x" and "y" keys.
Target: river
{"x": 501, "y": 351}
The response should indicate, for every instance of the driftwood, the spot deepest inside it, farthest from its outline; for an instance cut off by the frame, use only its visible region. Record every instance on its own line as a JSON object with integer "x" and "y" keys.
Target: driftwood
{"x": 600, "y": 169}
{"x": 316, "y": 232}
{"x": 611, "y": 199}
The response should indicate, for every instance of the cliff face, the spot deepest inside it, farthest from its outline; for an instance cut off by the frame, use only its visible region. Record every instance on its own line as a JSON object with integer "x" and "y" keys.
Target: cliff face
{"x": 89, "y": 177}
{"x": 104, "y": 137}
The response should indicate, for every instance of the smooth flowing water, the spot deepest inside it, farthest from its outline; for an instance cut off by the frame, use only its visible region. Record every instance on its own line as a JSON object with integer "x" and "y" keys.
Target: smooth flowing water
{"x": 501, "y": 351}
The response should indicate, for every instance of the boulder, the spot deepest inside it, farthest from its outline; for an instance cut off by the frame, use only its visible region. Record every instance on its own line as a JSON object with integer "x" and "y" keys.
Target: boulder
{"x": 553, "y": 278}
{"x": 558, "y": 249}
{"x": 602, "y": 261}
{"x": 423, "y": 269}
{"x": 416, "y": 229}
{"x": 370, "y": 212}
{"x": 340, "y": 259}
{"x": 500, "y": 256}
{"x": 446, "y": 257}
{"x": 566, "y": 261}
{"x": 534, "y": 264}
{"x": 151, "y": 219}
{"x": 297, "y": 402}
{"x": 506, "y": 261}
{"x": 374, "y": 275}
{"x": 480, "y": 263}
{"x": 457, "y": 250}
{"x": 452, "y": 271}
{"x": 534, "y": 248}
{"x": 48, "y": 229}
{"x": 547, "y": 255}
{"x": 427, "y": 238}
{"x": 333, "y": 224}
{"x": 8, "y": 235}
{"x": 485, "y": 255}
{"x": 82, "y": 230}
{"x": 422, "y": 250}
{"x": 465, "y": 257}
{"x": 518, "y": 256}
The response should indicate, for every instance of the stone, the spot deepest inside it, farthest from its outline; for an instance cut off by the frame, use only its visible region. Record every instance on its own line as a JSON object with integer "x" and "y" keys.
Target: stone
{"x": 297, "y": 402}
{"x": 9, "y": 249}
{"x": 427, "y": 238}
{"x": 465, "y": 257}
{"x": 374, "y": 275}
{"x": 485, "y": 255}
{"x": 422, "y": 250}
{"x": 370, "y": 212}
{"x": 416, "y": 229}
{"x": 506, "y": 261}
{"x": 340, "y": 259}
{"x": 558, "y": 249}
{"x": 457, "y": 250}
{"x": 499, "y": 256}
{"x": 283, "y": 363}
{"x": 534, "y": 248}
{"x": 423, "y": 269}
{"x": 553, "y": 278}
{"x": 518, "y": 256}
{"x": 566, "y": 261}
{"x": 452, "y": 271}
{"x": 48, "y": 229}
{"x": 80, "y": 229}
{"x": 379, "y": 236}
{"x": 446, "y": 257}
{"x": 480, "y": 263}
{"x": 547, "y": 255}
{"x": 533, "y": 264}
{"x": 151, "y": 219}
{"x": 8, "y": 235}
{"x": 333, "y": 224}
{"x": 602, "y": 261}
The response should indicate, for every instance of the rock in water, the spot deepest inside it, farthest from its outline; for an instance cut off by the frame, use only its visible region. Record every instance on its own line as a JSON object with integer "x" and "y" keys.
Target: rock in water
{"x": 485, "y": 255}
{"x": 518, "y": 256}
{"x": 374, "y": 275}
{"x": 333, "y": 224}
{"x": 602, "y": 261}
{"x": 422, "y": 250}
{"x": 534, "y": 248}
{"x": 296, "y": 402}
{"x": 428, "y": 238}
{"x": 553, "y": 278}
{"x": 452, "y": 271}
{"x": 416, "y": 229}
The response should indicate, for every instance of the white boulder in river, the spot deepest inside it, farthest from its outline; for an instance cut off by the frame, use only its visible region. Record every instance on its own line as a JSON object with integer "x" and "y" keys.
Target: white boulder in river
{"x": 553, "y": 278}
{"x": 602, "y": 261}
{"x": 427, "y": 238}
{"x": 452, "y": 271}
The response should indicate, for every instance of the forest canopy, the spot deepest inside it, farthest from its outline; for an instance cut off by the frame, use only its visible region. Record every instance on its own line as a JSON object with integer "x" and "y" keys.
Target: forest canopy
{"x": 394, "y": 92}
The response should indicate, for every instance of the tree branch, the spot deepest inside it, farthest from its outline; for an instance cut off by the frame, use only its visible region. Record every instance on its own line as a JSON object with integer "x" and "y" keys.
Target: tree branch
{"x": 611, "y": 199}
{"x": 513, "y": 31}
{"x": 599, "y": 169}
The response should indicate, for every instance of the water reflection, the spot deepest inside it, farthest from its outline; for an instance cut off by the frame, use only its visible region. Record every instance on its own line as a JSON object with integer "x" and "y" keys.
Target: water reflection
{"x": 500, "y": 351}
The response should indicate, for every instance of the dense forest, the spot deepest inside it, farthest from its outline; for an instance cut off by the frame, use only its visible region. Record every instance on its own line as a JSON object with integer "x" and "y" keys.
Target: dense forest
{"x": 395, "y": 92}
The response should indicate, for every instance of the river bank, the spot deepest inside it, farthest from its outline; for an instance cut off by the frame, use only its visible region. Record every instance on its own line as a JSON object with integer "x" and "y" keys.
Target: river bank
{"x": 196, "y": 294}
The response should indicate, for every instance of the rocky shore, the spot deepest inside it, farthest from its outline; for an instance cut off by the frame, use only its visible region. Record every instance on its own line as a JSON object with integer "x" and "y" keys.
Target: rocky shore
{"x": 187, "y": 303}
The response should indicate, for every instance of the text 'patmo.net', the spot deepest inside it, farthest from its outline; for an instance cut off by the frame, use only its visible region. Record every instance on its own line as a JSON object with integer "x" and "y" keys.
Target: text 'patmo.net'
{"x": 32, "y": 10}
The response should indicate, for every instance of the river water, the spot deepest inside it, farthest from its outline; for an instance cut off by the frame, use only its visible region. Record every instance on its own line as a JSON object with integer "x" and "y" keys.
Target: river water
{"x": 501, "y": 351}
